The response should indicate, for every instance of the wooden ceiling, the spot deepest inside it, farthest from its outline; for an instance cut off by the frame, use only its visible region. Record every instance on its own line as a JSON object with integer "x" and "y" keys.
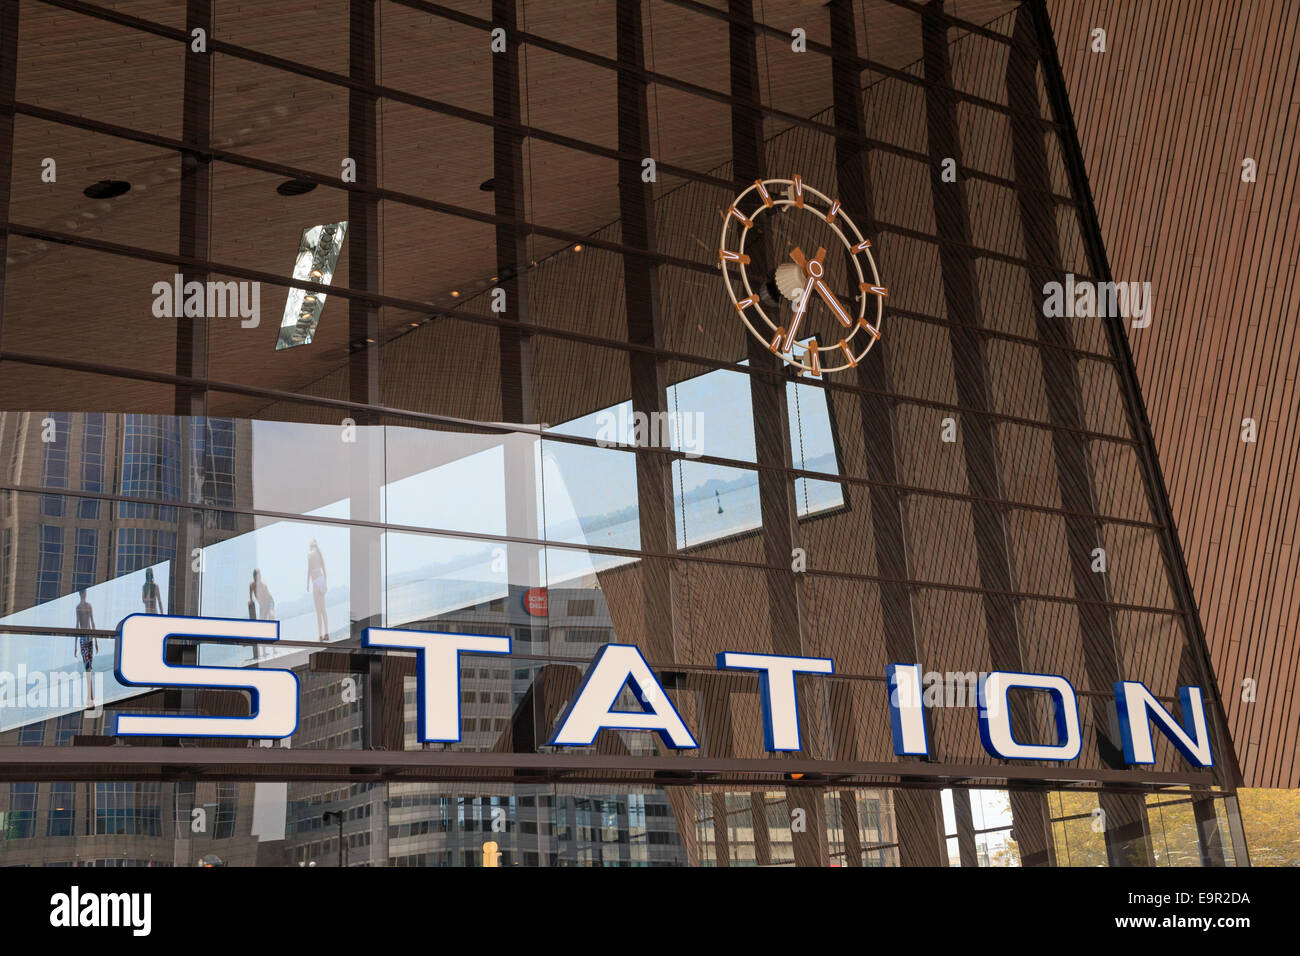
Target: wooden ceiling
{"x": 1166, "y": 117}
{"x": 84, "y": 305}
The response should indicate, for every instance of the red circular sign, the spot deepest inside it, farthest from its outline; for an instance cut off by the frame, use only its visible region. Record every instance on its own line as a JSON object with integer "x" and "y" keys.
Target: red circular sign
{"x": 535, "y": 602}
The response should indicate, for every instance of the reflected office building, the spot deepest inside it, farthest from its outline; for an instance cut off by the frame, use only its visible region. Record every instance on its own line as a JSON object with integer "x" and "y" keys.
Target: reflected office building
{"x": 691, "y": 326}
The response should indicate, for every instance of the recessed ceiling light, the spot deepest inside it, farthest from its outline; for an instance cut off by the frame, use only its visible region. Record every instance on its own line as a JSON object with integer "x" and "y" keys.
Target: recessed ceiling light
{"x": 578, "y": 247}
{"x": 295, "y": 187}
{"x": 488, "y": 185}
{"x": 455, "y": 293}
{"x": 107, "y": 189}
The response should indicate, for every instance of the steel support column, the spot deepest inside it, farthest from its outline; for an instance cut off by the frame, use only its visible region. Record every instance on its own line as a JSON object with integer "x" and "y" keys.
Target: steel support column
{"x": 1061, "y": 385}
{"x": 8, "y": 83}
{"x": 1208, "y": 837}
{"x": 518, "y": 403}
{"x": 918, "y": 812}
{"x": 641, "y": 300}
{"x": 772, "y": 428}
{"x": 366, "y": 462}
{"x": 1240, "y": 852}
{"x": 195, "y": 206}
{"x": 190, "y": 402}
{"x": 654, "y": 479}
{"x": 978, "y": 431}
{"x": 850, "y": 826}
{"x": 965, "y": 824}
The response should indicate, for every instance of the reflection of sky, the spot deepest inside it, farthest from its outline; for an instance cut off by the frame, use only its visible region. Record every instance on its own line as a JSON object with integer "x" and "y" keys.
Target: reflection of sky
{"x": 279, "y": 552}
{"x": 452, "y": 482}
{"x": 710, "y": 501}
{"x": 111, "y": 601}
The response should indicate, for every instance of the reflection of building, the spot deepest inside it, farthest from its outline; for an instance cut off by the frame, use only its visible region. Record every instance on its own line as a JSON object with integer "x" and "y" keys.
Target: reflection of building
{"x": 79, "y": 541}
{"x": 939, "y": 502}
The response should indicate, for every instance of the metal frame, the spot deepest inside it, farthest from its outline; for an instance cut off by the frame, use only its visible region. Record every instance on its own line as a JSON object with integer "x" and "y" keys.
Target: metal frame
{"x": 684, "y": 555}
{"x": 130, "y": 762}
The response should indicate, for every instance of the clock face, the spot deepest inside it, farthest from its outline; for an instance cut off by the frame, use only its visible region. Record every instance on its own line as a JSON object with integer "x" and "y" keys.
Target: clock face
{"x": 820, "y": 309}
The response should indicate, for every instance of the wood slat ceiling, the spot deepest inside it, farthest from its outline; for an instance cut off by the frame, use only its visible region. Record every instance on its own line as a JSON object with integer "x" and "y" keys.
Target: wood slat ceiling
{"x": 111, "y": 73}
{"x": 1166, "y": 115}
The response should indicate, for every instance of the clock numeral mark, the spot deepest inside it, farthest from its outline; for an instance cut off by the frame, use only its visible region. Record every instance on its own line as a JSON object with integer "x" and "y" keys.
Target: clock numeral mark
{"x": 762, "y": 191}
{"x": 873, "y": 289}
{"x": 733, "y": 211}
{"x": 814, "y": 359}
{"x": 798, "y": 191}
{"x": 775, "y": 344}
{"x": 862, "y": 246}
{"x": 848, "y": 352}
{"x": 728, "y": 256}
{"x": 746, "y": 302}
{"x": 871, "y": 329}
{"x": 834, "y": 211}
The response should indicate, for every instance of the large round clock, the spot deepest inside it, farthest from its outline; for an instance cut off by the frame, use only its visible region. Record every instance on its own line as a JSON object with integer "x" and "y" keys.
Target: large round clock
{"x": 802, "y": 284}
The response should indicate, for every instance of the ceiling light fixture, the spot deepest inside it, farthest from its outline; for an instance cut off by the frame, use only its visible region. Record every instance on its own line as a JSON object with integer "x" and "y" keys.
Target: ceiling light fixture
{"x": 295, "y": 187}
{"x": 107, "y": 189}
{"x": 318, "y": 254}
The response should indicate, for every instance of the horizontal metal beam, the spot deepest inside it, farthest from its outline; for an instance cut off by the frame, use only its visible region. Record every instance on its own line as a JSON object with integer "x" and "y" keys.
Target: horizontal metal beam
{"x": 272, "y": 764}
{"x": 472, "y": 116}
{"x": 875, "y": 66}
{"x": 539, "y": 431}
{"x": 451, "y": 209}
{"x": 426, "y": 308}
{"x": 693, "y": 555}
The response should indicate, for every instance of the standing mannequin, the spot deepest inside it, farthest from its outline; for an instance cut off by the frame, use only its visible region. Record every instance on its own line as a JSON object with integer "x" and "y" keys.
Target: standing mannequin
{"x": 87, "y": 643}
{"x": 151, "y": 594}
{"x": 261, "y": 605}
{"x": 318, "y": 584}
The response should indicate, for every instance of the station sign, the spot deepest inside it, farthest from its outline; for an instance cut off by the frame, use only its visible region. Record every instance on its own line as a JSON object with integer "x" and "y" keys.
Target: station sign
{"x": 141, "y": 661}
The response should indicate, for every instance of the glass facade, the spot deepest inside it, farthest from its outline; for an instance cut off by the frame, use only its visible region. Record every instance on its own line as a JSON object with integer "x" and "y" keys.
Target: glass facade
{"x": 512, "y": 397}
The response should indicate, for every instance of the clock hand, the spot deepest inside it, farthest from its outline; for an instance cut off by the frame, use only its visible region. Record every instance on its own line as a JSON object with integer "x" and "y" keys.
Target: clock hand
{"x": 834, "y": 304}
{"x": 806, "y": 265}
{"x": 788, "y": 345}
